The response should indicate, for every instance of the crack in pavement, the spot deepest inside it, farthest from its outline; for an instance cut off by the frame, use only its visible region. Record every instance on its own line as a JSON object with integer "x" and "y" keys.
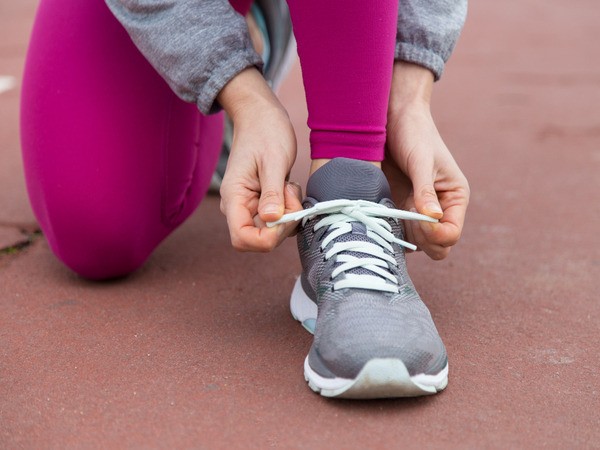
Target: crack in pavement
{"x": 29, "y": 236}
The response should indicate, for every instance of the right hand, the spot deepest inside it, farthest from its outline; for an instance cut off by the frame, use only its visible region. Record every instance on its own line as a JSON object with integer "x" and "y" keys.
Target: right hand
{"x": 254, "y": 189}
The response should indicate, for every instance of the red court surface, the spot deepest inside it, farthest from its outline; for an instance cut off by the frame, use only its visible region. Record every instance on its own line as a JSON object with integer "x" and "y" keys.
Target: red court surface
{"x": 198, "y": 349}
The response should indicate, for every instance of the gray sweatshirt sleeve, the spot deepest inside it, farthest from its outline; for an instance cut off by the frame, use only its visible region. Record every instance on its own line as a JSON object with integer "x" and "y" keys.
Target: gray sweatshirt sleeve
{"x": 196, "y": 46}
{"x": 428, "y": 31}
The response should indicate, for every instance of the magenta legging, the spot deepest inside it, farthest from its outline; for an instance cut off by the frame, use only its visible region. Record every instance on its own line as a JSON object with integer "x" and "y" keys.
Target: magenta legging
{"x": 114, "y": 161}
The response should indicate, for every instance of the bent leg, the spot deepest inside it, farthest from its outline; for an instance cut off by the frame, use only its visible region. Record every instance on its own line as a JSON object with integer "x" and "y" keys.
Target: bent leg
{"x": 114, "y": 161}
{"x": 346, "y": 51}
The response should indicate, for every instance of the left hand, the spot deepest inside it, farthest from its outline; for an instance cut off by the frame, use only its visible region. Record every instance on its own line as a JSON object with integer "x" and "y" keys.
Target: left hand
{"x": 422, "y": 172}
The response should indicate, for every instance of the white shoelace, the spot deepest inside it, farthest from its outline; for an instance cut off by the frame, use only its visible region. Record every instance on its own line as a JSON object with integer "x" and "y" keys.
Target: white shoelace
{"x": 339, "y": 217}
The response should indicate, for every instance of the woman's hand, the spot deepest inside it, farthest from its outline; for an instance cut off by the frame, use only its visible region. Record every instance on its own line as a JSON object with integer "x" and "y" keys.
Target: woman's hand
{"x": 422, "y": 173}
{"x": 254, "y": 188}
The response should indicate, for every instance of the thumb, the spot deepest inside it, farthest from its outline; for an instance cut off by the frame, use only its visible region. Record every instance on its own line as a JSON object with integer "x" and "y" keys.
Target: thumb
{"x": 293, "y": 197}
{"x": 426, "y": 199}
{"x": 271, "y": 203}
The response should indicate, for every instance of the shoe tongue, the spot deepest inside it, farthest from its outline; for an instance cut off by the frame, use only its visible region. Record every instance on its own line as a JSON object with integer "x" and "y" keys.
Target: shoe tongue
{"x": 350, "y": 179}
{"x": 359, "y": 228}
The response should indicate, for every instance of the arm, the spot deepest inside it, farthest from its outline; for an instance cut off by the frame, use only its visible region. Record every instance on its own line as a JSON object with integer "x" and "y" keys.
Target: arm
{"x": 423, "y": 174}
{"x": 196, "y": 46}
{"x": 428, "y": 31}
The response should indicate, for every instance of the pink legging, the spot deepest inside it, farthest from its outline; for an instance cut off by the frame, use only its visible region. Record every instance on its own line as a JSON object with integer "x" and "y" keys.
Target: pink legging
{"x": 114, "y": 161}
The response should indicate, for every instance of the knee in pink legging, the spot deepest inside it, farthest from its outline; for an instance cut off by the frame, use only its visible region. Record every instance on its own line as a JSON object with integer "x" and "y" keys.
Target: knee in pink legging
{"x": 114, "y": 161}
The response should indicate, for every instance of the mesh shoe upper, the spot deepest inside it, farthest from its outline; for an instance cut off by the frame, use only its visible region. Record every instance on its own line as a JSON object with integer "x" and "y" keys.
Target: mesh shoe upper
{"x": 355, "y": 325}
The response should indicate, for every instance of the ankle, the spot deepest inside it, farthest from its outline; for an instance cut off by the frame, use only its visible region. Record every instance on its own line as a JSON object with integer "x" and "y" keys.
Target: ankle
{"x": 316, "y": 164}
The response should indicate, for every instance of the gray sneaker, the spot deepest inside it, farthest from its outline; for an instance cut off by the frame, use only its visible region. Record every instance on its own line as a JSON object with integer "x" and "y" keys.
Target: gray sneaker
{"x": 374, "y": 337}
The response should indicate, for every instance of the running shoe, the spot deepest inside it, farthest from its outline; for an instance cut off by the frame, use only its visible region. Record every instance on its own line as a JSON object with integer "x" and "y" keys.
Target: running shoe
{"x": 373, "y": 335}
{"x": 278, "y": 53}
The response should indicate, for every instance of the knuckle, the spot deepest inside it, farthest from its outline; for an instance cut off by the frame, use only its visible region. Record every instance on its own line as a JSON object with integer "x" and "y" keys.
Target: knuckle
{"x": 467, "y": 187}
{"x": 269, "y": 194}
{"x": 238, "y": 243}
{"x": 437, "y": 257}
{"x": 436, "y": 252}
{"x": 270, "y": 246}
{"x": 441, "y": 254}
{"x": 451, "y": 242}
{"x": 428, "y": 191}
{"x": 457, "y": 236}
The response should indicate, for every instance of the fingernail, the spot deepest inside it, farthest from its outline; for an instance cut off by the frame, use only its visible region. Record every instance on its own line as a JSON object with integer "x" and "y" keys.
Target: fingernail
{"x": 271, "y": 208}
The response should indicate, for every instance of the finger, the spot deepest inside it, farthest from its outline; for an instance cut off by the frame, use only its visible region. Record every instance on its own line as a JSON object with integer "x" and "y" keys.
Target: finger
{"x": 293, "y": 197}
{"x": 271, "y": 205}
{"x": 436, "y": 252}
{"x": 426, "y": 199}
{"x": 416, "y": 235}
{"x": 447, "y": 232}
{"x": 244, "y": 232}
{"x": 293, "y": 203}
{"x": 444, "y": 234}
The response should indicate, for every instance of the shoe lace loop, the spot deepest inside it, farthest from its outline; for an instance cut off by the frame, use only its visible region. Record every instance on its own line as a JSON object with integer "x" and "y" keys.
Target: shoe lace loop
{"x": 339, "y": 215}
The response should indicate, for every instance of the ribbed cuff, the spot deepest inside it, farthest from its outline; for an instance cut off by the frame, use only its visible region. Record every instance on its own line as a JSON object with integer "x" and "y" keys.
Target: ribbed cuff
{"x": 227, "y": 69}
{"x": 419, "y": 55}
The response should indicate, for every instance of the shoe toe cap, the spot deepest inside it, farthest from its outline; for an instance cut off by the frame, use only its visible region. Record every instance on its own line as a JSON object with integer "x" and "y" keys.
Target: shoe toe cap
{"x": 352, "y": 333}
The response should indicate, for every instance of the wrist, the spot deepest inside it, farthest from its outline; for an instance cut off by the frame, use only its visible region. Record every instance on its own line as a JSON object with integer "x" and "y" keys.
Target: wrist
{"x": 246, "y": 94}
{"x": 411, "y": 89}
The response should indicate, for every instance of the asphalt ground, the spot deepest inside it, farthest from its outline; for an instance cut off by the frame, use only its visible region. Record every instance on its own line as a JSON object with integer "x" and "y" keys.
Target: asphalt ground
{"x": 198, "y": 349}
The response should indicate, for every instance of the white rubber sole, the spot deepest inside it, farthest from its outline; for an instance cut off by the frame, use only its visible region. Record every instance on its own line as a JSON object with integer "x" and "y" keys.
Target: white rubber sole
{"x": 303, "y": 309}
{"x": 379, "y": 378}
